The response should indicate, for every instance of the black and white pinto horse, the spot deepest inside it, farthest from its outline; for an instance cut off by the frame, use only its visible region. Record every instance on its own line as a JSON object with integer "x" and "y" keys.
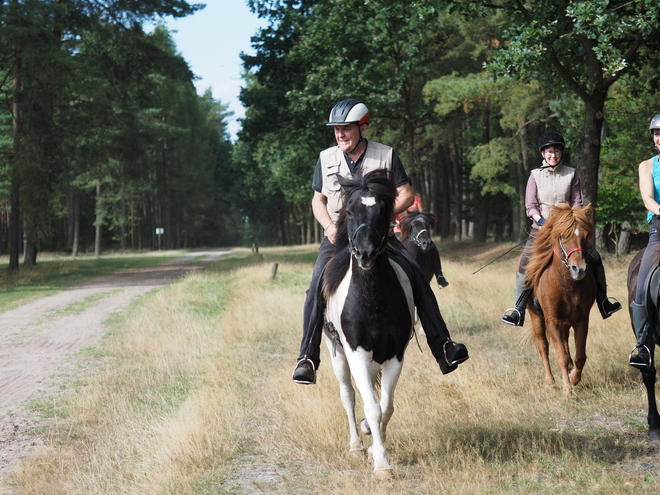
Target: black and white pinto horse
{"x": 653, "y": 309}
{"x": 416, "y": 227}
{"x": 369, "y": 310}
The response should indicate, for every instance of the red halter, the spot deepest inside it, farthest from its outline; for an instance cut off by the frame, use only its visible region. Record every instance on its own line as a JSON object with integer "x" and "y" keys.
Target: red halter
{"x": 564, "y": 258}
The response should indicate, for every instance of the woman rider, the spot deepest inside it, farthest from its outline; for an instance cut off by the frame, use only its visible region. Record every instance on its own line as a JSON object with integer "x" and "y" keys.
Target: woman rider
{"x": 551, "y": 184}
{"x": 649, "y": 188}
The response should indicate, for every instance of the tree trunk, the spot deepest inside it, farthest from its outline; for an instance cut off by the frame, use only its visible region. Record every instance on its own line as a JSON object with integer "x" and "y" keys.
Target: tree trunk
{"x": 623, "y": 245}
{"x": 14, "y": 216}
{"x": 99, "y": 222}
{"x": 76, "y": 223}
{"x": 587, "y": 154}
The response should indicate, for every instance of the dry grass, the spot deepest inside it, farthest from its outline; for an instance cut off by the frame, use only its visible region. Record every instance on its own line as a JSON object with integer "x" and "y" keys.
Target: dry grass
{"x": 192, "y": 395}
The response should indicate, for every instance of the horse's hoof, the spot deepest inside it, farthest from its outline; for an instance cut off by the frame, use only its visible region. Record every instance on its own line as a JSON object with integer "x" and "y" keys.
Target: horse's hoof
{"x": 358, "y": 453}
{"x": 384, "y": 474}
{"x": 364, "y": 427}
{"x": 654, "y": 436}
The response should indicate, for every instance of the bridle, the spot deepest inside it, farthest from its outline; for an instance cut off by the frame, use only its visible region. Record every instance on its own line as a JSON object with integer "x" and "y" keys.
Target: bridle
{"x": 416, "y": 238}
{"x": 564, "y": 255}
{"x": 383, "y": 239}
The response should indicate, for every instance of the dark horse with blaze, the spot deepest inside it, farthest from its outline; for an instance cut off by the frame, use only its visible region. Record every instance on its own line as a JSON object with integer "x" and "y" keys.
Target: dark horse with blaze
{"x": 369, "y": 310}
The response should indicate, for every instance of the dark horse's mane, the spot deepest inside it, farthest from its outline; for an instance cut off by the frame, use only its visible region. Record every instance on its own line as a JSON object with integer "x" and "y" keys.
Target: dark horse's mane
{"x": 408, "y": 218}
{"x": 380, "y": 184}
{"x": 562, "y": 223}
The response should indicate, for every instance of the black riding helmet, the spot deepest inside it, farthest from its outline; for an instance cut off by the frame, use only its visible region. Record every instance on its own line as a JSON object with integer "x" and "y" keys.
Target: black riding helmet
{"x": 552, "y": 138}
{"x": 349, "y": 112}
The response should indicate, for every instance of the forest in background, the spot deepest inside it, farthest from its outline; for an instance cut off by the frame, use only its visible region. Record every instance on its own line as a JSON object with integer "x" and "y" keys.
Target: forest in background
{"x": 104, "y": 138}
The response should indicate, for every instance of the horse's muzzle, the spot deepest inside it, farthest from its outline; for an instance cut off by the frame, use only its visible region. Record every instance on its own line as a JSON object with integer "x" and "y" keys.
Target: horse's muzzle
{"x": 578, "y": 272}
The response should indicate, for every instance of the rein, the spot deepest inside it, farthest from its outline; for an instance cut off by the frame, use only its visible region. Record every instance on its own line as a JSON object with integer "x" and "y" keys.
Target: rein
{"x": 351, "y": 246}
{"x": 564, "y": 255}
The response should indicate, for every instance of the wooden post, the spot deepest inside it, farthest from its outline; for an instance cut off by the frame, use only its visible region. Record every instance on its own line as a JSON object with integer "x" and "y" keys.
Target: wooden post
{"x": 273, "y": 270}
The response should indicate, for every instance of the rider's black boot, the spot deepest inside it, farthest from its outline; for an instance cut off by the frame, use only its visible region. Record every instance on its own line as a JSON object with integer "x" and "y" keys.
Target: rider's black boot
{"x": 606, "y": 305}
{"x": 640, "y": 356}
{"x": 516, "y": 315}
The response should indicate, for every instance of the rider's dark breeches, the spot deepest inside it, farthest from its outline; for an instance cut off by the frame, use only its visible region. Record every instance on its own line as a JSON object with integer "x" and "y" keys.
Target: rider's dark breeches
{"x": 310, "y": 346}
{"x": 649, "y": 259}
{"x": 527, "y": 250}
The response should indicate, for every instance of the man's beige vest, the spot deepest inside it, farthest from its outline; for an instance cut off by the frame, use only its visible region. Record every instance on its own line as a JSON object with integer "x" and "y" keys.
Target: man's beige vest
{"x": 333, "y": 163}
{"x": 553, "y": 187}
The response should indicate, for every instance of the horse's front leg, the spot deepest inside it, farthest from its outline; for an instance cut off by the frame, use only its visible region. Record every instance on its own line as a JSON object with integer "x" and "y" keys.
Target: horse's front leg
{"x": 580, "y": 335}
{"x": 360, "y": 363}
{"x": 346, "y": 393}
{"x": 559, "y": 336}
{"x": 389, "y": 379}
{"x": 653, "y": 418}
{"x": 538, "y": 324}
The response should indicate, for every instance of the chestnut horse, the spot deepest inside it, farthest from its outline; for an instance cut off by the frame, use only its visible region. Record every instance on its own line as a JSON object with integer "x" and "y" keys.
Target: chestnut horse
{"x": 564, "y": 290}
{"x": 369, "y": 309}
{"x": 653, "y": 308}
{"x": 416, "y": 227}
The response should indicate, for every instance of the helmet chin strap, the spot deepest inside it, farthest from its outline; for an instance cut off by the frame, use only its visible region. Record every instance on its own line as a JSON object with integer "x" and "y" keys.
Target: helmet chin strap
{"x": 359, "y": 140}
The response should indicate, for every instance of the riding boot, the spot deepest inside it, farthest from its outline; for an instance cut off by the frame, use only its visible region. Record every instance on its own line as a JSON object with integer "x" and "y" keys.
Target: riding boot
{"x": 447, "y": 353}
{"x": 606, "y": 305}
{"x": 640, "y": 356}
{"x": 309, "y": 358}
{"x": 516, "y": 316}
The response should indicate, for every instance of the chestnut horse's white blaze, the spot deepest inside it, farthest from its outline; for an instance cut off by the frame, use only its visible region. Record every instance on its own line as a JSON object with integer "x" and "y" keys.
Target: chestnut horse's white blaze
{"x": 359, "y": 363}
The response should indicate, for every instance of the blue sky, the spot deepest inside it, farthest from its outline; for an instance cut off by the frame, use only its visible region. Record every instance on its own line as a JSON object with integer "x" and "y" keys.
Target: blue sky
{"x": 211, "y": 41}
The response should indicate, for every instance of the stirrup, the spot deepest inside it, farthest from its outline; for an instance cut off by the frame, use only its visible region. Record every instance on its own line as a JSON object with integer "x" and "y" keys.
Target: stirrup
{"x": 513, "y": 316}
{"x": 299, "y": 378}
{"x": 640, "y": 365}
{"x": 614, "y": 307}
{"x": 456, "y": 361}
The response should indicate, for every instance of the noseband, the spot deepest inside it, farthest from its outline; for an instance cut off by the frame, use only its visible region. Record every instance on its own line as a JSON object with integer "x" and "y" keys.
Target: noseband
{"x": 416, "y": 238}
{"x": 564, "y": 255}
{"x": 353, "y": 249}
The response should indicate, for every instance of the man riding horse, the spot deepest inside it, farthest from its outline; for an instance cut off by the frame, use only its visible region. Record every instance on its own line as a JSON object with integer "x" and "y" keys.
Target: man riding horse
{"x": 353, "y": 153}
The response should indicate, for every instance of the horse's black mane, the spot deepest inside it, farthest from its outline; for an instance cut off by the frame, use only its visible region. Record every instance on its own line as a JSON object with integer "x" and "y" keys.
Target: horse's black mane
{"x": 380, "y": 184}
{"x": 409, "y": 217}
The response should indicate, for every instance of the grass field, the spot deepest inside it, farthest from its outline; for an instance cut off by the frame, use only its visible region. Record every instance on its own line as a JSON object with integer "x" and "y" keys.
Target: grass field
{"x": 191, "y": 393}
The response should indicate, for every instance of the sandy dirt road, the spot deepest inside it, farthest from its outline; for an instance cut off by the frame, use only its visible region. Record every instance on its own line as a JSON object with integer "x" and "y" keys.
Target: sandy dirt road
{"x": 39, "y": 341}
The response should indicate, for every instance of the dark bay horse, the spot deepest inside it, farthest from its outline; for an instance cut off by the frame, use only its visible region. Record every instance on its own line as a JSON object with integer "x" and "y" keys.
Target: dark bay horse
{"x": 416, "y": 227}
{"x": 564, "y": 290}
{"x": 369, "y": 310}
{"x": 653, "y": 308}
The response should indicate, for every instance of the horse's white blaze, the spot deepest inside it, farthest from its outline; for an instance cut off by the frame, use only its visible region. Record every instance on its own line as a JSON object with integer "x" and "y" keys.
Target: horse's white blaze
{"x": 368, "y": 201}
{"x": 577, "y": 232}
